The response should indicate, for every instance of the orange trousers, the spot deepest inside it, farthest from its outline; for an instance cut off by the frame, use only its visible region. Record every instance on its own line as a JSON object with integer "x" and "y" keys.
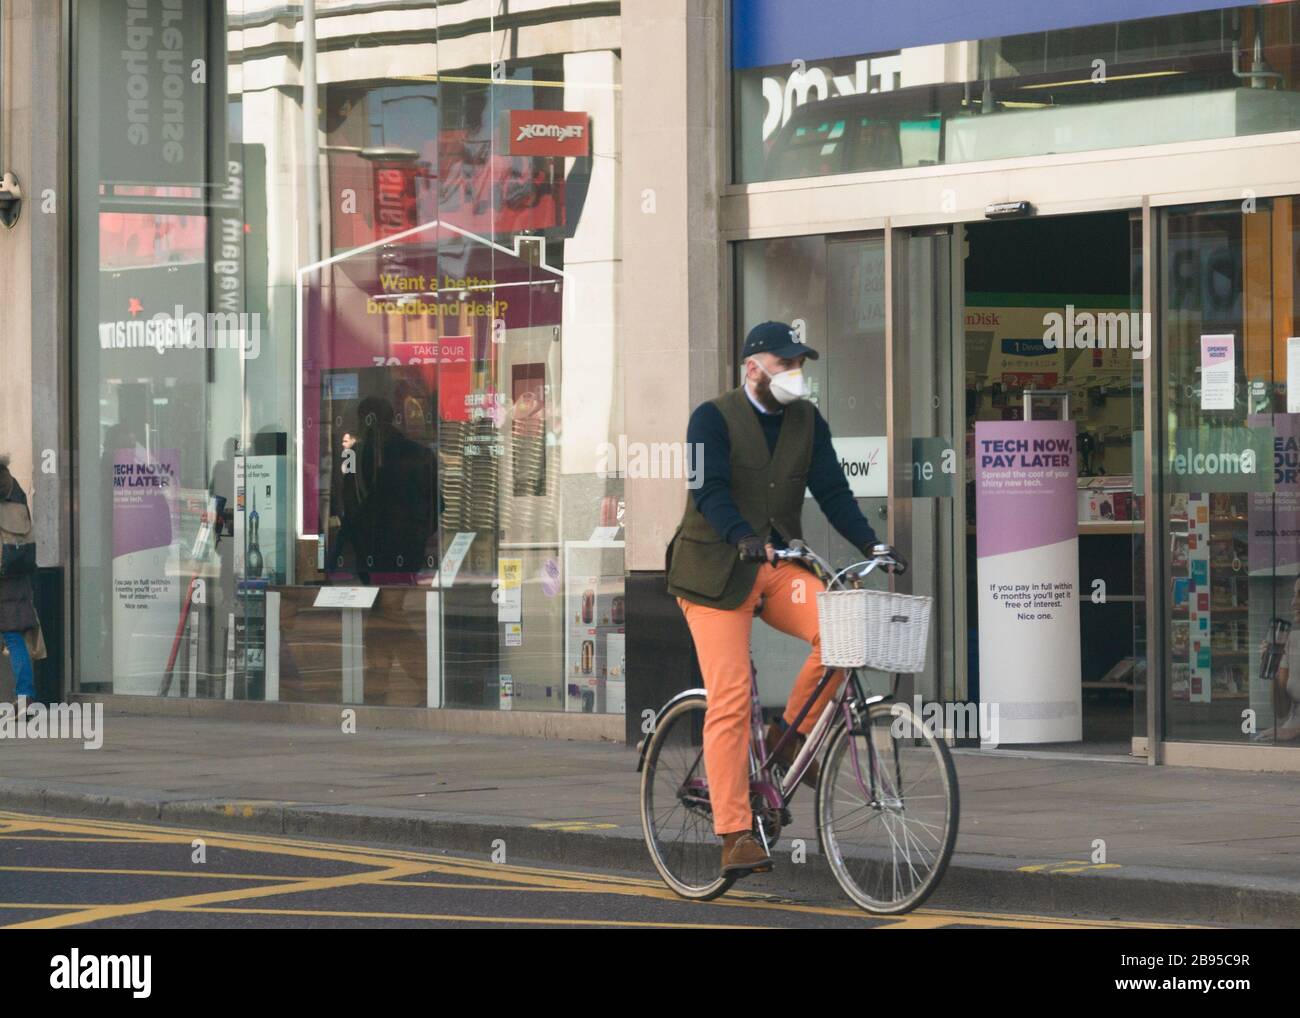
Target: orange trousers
{"x": 722, "y": 644}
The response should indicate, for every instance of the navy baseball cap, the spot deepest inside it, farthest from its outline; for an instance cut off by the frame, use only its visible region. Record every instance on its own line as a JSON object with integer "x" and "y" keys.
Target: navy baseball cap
{"x": 775, "y": 338}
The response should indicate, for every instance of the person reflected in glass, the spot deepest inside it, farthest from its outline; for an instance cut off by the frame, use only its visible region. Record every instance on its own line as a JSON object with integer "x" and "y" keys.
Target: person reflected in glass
{"x": 397, "y": 478}
{"x": 347, "y": 492}
{"x": 395, "y": 522}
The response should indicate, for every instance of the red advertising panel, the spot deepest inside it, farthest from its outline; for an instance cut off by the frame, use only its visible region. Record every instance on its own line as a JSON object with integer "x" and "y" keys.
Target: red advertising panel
{"x": 382, "y": 198}
{"x": 490, "y": 193}
{"x": 395, "y": 201}
{"x": 476, "y": 189}
{"x": 549, "y": 133}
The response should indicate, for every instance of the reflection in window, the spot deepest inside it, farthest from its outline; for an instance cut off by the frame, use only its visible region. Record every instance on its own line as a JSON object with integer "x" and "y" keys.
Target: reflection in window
{"x": 1212, "y": 74}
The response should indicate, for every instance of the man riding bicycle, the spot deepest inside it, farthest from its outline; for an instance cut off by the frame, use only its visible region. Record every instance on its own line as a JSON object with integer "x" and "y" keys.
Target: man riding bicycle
{"x": 762, "y": 443}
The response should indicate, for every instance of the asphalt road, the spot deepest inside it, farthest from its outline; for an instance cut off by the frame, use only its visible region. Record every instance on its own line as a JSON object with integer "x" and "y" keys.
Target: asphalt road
{"x": 64, "y": 873}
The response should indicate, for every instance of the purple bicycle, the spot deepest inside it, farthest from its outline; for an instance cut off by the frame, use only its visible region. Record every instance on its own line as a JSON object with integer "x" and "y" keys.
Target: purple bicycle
{"x": 886, "y": 797}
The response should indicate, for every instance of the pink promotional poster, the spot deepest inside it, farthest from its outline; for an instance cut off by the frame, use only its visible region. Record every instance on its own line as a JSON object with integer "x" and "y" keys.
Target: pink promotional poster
{"x": 1027, "y": 546}
{"x": 147, "y": 588}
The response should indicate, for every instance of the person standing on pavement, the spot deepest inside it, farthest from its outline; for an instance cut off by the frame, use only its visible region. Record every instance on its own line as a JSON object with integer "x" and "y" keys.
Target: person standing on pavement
{"x": 17, "y": 610}
{"x": 761, "y": 444}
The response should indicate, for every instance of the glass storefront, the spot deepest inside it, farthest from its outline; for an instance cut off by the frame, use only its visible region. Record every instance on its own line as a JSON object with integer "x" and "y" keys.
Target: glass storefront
{"x": 810, "y": 100}
{"x": 1231, "y": 470}
{"x": 1226, "y": 276}
{"x": 1186, "y": 314}
{"x": 348, "y": 384}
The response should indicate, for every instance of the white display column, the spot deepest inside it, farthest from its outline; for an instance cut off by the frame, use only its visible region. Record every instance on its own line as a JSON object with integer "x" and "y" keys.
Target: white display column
{"x": 1027, "y": 543}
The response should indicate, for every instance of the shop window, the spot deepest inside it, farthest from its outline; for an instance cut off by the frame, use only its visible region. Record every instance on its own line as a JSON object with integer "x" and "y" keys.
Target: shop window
{"x": 1231, "y": 465}
{"x": 346, "y": 481}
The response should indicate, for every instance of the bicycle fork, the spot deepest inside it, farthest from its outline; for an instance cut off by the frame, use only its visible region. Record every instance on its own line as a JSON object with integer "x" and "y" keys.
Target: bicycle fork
{"x": 859, "y": 711}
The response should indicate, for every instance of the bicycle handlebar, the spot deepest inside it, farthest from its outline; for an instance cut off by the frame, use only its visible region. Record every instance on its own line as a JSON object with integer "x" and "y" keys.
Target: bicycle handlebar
{"x": 882, "y": 557}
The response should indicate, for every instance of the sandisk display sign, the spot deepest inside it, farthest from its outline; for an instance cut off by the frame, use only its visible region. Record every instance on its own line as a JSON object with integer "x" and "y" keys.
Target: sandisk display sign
{"x": 549, "y": 133}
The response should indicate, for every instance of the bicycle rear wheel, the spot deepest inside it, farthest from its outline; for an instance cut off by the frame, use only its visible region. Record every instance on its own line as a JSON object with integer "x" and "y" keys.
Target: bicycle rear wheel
{"x": 887, "y": 809}
{"x": 676, "y": 814}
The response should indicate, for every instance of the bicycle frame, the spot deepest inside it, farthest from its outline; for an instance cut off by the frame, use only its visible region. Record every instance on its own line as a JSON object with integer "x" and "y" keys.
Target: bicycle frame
{"x": 850, "y": 697}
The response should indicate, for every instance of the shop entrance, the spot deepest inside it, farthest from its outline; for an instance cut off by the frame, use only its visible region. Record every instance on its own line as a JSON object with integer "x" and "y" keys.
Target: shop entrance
{"x": 1051, "y": 332}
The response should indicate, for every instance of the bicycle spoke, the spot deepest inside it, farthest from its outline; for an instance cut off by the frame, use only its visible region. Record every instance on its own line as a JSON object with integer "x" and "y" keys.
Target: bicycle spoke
{"x": 677, "y": 820}
{"x": 886, "y": 815}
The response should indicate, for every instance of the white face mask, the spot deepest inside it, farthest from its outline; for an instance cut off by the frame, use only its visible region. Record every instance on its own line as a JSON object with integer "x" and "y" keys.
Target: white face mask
{"x": 787, "y": 386}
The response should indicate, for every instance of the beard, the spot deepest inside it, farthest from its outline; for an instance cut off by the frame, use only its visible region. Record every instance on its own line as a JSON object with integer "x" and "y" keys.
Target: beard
{"x": 763, "y": 393}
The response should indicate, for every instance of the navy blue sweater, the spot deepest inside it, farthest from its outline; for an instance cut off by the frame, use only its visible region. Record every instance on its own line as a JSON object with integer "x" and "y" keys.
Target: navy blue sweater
{"x": 707, "y": 433}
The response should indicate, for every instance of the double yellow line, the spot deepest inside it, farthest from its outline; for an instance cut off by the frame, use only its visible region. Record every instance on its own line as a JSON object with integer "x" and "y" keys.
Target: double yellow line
{"x": 379, "y": 866}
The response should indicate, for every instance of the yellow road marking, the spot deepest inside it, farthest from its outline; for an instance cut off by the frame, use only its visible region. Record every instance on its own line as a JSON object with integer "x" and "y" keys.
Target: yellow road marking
{"x": 375, "y": 857}
{"x": 591, "y": 883}
{"x": 102, "y": 912}
{"x": 572, "y": 825}
{"x": 560, "y": 886}
{"x": 291, "y": 885}
{"x": 464, "y": 886}
{"x": 162, "y": 835}
{"x": 453, "y": 917}
{"x": 914, "y": 921}
{"x": 148, "y": 873}
{"x": 1069, "y": 866}
{"x": 931, "y": 920}
{"x": 1103, "y": 924}
{"x": 106, "y": 840}
{"x": 389, "y": 870}
{"x": 385, "y": 882}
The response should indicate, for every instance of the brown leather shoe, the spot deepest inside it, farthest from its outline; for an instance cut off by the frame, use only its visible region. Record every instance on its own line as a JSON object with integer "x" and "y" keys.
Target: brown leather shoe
{"x": 742, "y": 854}
{"x": 791, "y": 749}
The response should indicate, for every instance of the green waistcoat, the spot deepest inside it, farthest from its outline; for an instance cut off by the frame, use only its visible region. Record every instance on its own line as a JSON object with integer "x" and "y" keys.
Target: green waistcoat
{"x": 768, "y": 490}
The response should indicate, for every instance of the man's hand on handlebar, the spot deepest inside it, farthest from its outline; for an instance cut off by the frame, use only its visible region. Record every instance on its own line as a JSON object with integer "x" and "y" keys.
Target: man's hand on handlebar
{"x": 897, "y": 566}
{"x": 752, "y": 549}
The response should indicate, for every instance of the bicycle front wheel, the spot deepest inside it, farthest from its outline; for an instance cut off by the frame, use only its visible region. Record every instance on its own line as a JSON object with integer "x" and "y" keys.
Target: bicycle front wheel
{"x": 887, "y": 809}
{"x": 676, "y": 814}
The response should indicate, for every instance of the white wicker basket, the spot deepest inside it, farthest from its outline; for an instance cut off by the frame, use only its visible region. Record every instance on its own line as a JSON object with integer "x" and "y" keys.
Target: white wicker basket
{"x": 874, "y": 629}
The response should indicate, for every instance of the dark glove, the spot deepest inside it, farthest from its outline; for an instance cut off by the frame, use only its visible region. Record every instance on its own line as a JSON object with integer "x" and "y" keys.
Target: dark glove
{"x": 751, "y": 549}
{"x": 893, "y": 553}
